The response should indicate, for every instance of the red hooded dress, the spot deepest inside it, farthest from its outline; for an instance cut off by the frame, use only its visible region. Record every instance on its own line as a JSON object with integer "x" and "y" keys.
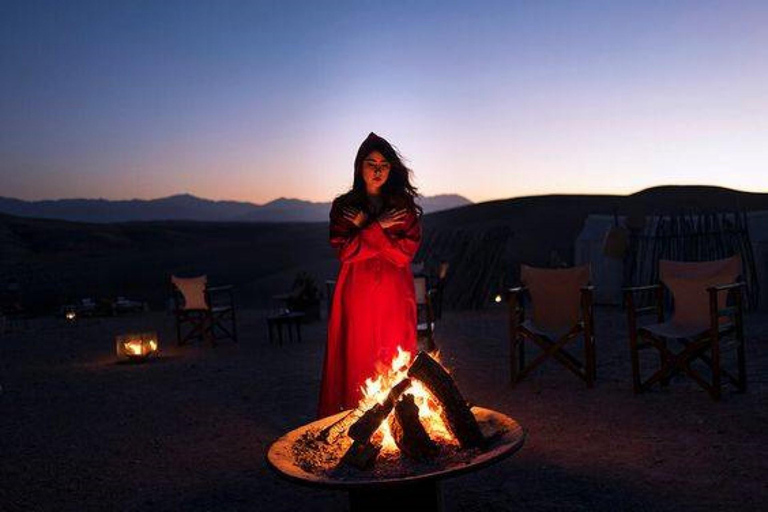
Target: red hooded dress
{"x": 373, "y": 309}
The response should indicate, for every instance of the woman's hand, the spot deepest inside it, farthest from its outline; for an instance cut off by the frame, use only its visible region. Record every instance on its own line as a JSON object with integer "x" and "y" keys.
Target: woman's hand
{"x": 355, "y": 216}
{"x": 393, "y": 218}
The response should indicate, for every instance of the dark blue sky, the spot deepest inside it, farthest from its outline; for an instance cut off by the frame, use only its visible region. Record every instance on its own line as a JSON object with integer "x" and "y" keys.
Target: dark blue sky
{"x": 256, "y": 100}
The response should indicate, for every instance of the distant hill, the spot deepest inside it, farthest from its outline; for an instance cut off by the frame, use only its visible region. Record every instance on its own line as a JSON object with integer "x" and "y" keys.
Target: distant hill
{"x": 55, "y": 260}
{"x": 546, "y": 224}
{"x": 189, "y": 207}
{"x": 178, "y": 207}
{"x": 442, "y": 202}
{"x": 289, "y": 210}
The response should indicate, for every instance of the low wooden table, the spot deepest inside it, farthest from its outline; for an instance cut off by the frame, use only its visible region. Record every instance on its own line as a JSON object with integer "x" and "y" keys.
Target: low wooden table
{"x": 401, "y": 491}
{"x": 292, "y": 321}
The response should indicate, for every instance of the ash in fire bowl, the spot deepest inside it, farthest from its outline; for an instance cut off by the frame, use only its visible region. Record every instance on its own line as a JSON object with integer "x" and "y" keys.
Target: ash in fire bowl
{"x": 324, "y": 461}
{"x": 414, "y": 425}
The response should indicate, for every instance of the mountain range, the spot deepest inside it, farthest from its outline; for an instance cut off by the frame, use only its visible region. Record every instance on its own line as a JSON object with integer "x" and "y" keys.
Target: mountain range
{"x": 189, "y": 207}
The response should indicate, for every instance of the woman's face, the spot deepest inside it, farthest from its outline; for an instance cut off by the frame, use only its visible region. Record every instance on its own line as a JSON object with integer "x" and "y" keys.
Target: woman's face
{"x": 375, "y": 171}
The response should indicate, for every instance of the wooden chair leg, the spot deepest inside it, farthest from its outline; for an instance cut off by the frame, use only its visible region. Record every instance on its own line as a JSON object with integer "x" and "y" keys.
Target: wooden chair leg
{"x": 431, "y": 347}
{"x": 517, "y": 359}
{"x": 516, "y": 350}
{"x": 740, "y": 355}
{"x": 234, "y": 326}
{"x": 629, "y": 303}
{"x": 514, "y": 363}
{"x": 716, "y": 369}
{"x": 178, "y": 331}
{"x": 636, "y": 384}
{"x": 662, "y": 361}
{"x": 589, "y": 360}
{"x": 590, "y": 363}
{"x": 742, "y": 367}
{"x": 741, "y": 360}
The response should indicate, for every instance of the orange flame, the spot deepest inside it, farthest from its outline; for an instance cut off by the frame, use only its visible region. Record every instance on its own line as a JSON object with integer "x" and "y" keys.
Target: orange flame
{"x": 139, "y": 347}
{"x": 376, "y": 391}
{"x": 134, "y": 348}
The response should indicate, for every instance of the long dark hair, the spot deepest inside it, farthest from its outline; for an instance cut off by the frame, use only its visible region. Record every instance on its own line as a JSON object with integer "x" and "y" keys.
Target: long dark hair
{"x": 397, "y": 191}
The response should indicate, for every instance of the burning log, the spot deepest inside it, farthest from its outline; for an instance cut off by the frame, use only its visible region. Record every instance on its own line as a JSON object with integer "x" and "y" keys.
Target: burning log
{"x": 456, "y": 413}
{"x": 409, "y": 433}
{"x": 337, "y": 429}
{"x": 362, "y": 455}
{"x": 362, "y": 430}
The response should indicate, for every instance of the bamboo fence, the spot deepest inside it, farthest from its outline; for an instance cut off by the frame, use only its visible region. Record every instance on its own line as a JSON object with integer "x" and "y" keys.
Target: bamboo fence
{"x": 476, "y": 260}
{"x": 691, "y": 237}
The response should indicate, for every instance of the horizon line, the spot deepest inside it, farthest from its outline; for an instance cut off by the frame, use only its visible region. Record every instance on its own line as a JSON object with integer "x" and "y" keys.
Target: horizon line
{"x": 548, "y": 194}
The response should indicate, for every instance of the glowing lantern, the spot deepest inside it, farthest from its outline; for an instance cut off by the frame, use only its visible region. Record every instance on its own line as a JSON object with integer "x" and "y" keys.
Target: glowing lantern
{"x": 136, "y": 346}
{"x": 70, "y": 316}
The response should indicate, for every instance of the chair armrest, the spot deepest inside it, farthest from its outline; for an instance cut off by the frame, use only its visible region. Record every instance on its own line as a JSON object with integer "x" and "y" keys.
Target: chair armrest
{"x": 214, "y": 289}
{"x": 517, "y": 295}
{"x": 656, "y": 307}
{"x": 220, "y": 296}
{"x": 734, "y": 310}
{"x": 633, "y": 289}
{"x": 724, "y": 287}
{"x": 515, "y": 298}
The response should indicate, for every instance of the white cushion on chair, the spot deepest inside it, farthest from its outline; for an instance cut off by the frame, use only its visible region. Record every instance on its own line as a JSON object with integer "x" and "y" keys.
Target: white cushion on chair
{"x": 193, "y": 291}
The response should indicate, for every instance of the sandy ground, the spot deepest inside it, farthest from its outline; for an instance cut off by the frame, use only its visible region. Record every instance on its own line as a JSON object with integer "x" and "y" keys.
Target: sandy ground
{"x": 189, "y": 430}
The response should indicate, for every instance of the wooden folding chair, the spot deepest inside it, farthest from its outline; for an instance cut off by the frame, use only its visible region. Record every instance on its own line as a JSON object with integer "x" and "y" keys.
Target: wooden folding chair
{"x": 562, "y": 303}
{"x": 203, "y": 312}
{"x": 703, "y": 324}
{"x": 425, "y": 316}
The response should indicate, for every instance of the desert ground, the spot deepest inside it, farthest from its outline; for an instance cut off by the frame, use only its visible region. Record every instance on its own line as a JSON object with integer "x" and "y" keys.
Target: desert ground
{"x": 189, "y": 430}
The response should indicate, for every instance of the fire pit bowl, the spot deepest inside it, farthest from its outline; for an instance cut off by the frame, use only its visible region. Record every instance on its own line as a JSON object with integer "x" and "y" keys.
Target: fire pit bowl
{"x": 396, "y": 484}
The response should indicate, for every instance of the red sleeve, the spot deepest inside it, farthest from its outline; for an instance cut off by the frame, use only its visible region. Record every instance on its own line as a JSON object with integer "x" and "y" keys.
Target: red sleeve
{"x": 398, "y": 245}
{"x": 347, "y": 238}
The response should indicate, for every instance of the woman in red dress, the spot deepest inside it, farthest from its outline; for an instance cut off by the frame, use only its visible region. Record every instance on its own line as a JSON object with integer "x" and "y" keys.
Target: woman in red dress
{"x": 376, "y": 230}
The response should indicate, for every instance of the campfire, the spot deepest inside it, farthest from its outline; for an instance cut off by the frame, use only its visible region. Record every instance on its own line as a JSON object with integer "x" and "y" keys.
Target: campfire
{"x": 411, "y": 414}
{"x": 136, "y": 347}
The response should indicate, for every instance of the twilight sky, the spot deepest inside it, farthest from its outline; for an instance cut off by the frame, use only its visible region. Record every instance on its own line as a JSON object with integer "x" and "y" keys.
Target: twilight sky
{"x": 253, "y": 100}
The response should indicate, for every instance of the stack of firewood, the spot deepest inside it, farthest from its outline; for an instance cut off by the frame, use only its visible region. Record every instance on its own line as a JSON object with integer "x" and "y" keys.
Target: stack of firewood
{"x": 401, "y": 412}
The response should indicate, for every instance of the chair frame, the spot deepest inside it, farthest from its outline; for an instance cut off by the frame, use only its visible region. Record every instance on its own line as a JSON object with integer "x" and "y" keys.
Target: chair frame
{"x": 694, "y": 347}
{"x": 429, "y": 332}
{"x": 438, "y": 289}
{"x": 552, "y": 348}
{"x": 211, "y": 324}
